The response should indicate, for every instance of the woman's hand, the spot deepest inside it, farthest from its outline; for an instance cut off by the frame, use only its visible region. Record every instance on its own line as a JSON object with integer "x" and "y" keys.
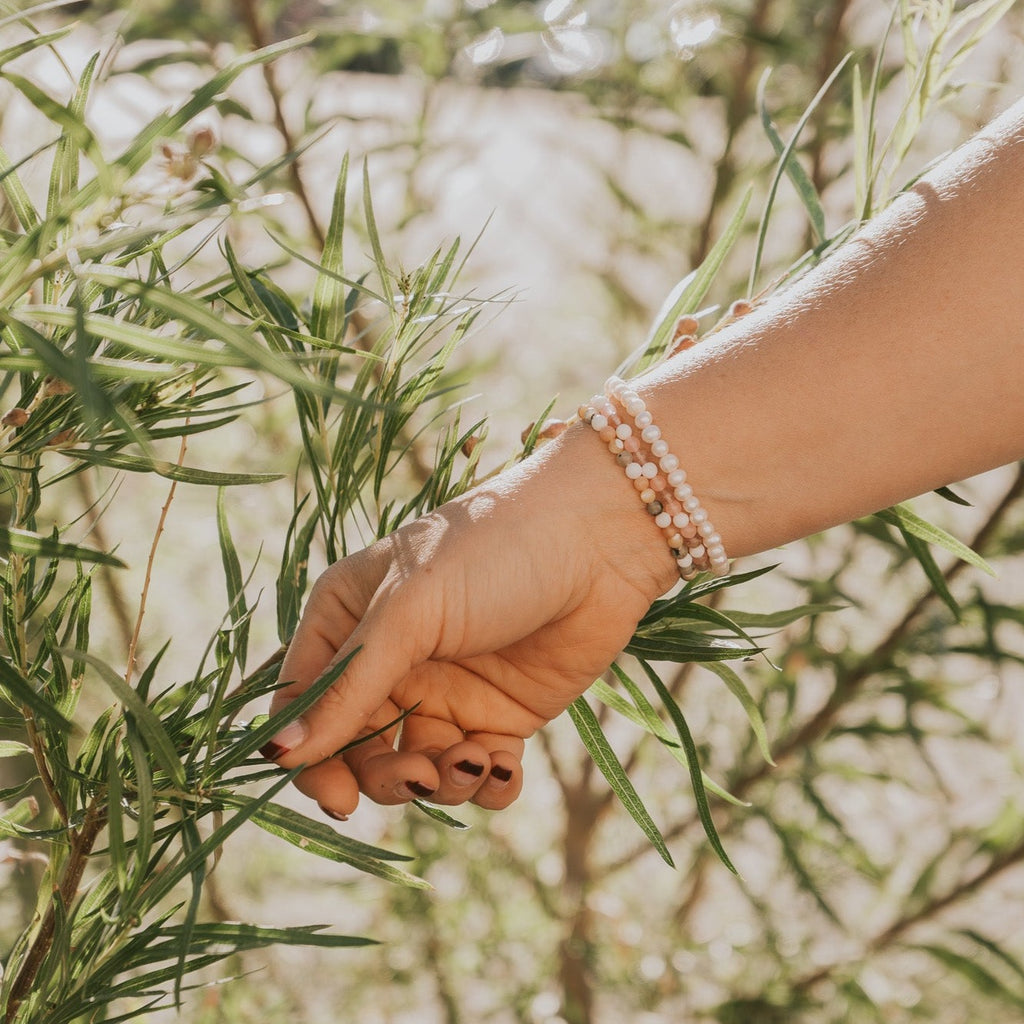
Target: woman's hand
{"x": 488, "y": 616}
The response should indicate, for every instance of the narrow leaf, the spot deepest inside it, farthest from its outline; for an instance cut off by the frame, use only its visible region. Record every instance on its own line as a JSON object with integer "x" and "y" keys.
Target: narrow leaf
{"x": 604, "y": 757}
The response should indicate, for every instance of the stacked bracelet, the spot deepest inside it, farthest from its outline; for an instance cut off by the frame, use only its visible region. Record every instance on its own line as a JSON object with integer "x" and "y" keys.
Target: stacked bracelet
{"x": 655, "y": 473}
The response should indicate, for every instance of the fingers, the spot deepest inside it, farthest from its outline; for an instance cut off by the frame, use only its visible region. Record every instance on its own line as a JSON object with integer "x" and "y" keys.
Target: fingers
{"x": 382, "y": 654}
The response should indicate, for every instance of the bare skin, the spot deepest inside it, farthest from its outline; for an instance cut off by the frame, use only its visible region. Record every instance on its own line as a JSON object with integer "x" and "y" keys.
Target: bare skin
{"x": 895, "y": 367}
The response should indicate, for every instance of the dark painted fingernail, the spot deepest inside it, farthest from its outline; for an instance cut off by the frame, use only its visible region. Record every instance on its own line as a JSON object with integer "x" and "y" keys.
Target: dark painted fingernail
{"x": 336, "y": 815}
{"x": 501, "y": 774}
{"x": 291, "y": 736}
{"x": 418, "y": 789}
{"x": 470, "y": 768}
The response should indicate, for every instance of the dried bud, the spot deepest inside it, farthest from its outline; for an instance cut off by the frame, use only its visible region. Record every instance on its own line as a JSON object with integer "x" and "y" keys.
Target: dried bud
{"x": 681, "y": 344}
{"x": 201, "y": 142}
{"x": 550, "y": 429}
{"x": 469, "y": 444}
{"x": 53, "y": 386}
{"x": 741, "y": 307}
{"x": 63, "y": 439}
{"x": 17, "y": 417}
{"x": 686, "y": 325}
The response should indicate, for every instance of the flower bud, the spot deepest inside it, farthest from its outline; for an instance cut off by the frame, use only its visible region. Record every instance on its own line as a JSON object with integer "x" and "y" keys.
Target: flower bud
{"x": 16, "y": 417}
{"x": 53, "y": 386}
{"x": 741, "y": 307}
{"x": 469, "y": 444}
{"x": 201, "y": 142}
{"x": 685, "y": 325}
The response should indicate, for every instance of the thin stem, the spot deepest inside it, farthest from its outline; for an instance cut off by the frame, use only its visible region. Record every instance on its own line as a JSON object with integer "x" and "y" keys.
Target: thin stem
{"x": 249, "y": 13}
{"x": 133, "y": 644}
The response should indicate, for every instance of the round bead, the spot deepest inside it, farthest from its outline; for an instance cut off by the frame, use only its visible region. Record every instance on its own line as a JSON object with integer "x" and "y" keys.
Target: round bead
{"x": 607, "y": 434}
{"x": 689, "y": 531}
{"x": 659, "y": 449}
{"x": 716, "y": 552}
{"x": 651, "y": 433}
{"x": 615, "y": 446}
{"x": 688, "y": 574}
{"x": 684, "y": 561}
{"x": 598, "y": 422}
{"x": 640, "y": 483}
{"x": 624, "y": 430}
{"x": 658, "y": 482}
{"x": 675, "y": 540}
{"x": 720, "y": 568}
{"x": 654, "y": 508}
{"x": 650, "y": 470}
{"x": 635, "y": 406}
{"x": 668, "y": 462}
{"x": 634, "y": 470}
{"x": 624, "y": 459}
{"x": 697, "y": 550}
{"x": 631, "y": 444}
{"x": 713, "y": 537}
{"x": 643, "y": 419}
{"x": 683, "y": 492}
{"x": 699, "y": 516}
{"x": 663, "y": 519}
{"x": 647, "y": 495}
{"x": 681, "y": 520}
{"x": 691, "y": 504}
{"x": 676, "y": 478}
{"x": 672, "y": 507}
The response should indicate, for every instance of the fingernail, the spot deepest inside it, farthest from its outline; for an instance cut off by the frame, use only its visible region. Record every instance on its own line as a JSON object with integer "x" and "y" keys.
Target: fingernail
{"x": 417, "y": 789}
{"x": 336, "y": 815}
{"x": 464, "y": 773}
{"x": 290, "y": 737}
{"x": 501, "y": 774}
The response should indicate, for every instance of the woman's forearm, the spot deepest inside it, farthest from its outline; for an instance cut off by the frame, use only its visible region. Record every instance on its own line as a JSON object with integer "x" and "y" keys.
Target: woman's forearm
{"x": 894, "y": 367}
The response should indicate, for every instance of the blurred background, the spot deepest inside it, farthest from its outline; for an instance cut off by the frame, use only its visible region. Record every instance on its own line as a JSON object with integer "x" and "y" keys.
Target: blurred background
{"x": 594, "y": 150}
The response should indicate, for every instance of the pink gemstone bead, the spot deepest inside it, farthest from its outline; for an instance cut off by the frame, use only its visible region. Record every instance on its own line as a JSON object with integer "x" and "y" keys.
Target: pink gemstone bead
{"x": 658, "y": 482}
{"x": 607, "y": 434}
{"x": 631, "y": 444}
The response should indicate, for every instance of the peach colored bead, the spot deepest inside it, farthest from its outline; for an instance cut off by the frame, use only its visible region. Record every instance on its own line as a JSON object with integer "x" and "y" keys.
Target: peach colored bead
{"x": 689, "y": 532}
{"x": 607, "y": 434}
{"x": 631, "y": 444}
{"x": 672, "y": 507}
{"x": 640, "y": 483}
{"x": 647, "y": 496}
{"x": 659, "y": 483}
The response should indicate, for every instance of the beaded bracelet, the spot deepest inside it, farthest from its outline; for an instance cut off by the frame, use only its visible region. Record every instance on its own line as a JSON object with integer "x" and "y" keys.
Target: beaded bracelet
{"x": 654, "y": 471}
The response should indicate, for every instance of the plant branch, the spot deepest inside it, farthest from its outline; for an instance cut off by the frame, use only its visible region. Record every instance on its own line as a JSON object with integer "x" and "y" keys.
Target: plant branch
{"x": 81, "y": 847}
{"x": 250, "y": 16}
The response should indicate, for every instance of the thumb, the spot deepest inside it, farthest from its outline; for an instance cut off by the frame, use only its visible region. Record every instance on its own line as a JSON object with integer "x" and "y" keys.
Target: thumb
{"x": 381, "y": 652}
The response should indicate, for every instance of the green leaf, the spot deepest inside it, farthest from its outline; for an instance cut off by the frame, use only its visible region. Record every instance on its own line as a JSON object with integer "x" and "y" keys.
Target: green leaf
{"x": 688, "y": 293}
{"x": 242, "y": 937}
{"x": 742, "y": 694}
{"x": 923, "y": 554}
{"x": 604, "y": 757}
{"x": 320, "y": 839}
{"x": 783, "y": 167}
{"x": 690, "y": 748}
{"x": 20, "y": 691}
{"x": 12, "y": 748}
{"x": 683, "y": 646}
{"x": 169, "y": 470}
{"x": 794, "y": 169}
{"x": 158, "y": 743}
{"x": 233, "y": 580}
{"x": 328, "y": 318}
{"x": 902, "y": 517}
{"x": 435, "y": 812}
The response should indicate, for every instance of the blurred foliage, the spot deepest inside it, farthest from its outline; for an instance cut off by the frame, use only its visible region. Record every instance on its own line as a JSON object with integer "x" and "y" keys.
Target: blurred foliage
{"x": 877, "y": 857}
